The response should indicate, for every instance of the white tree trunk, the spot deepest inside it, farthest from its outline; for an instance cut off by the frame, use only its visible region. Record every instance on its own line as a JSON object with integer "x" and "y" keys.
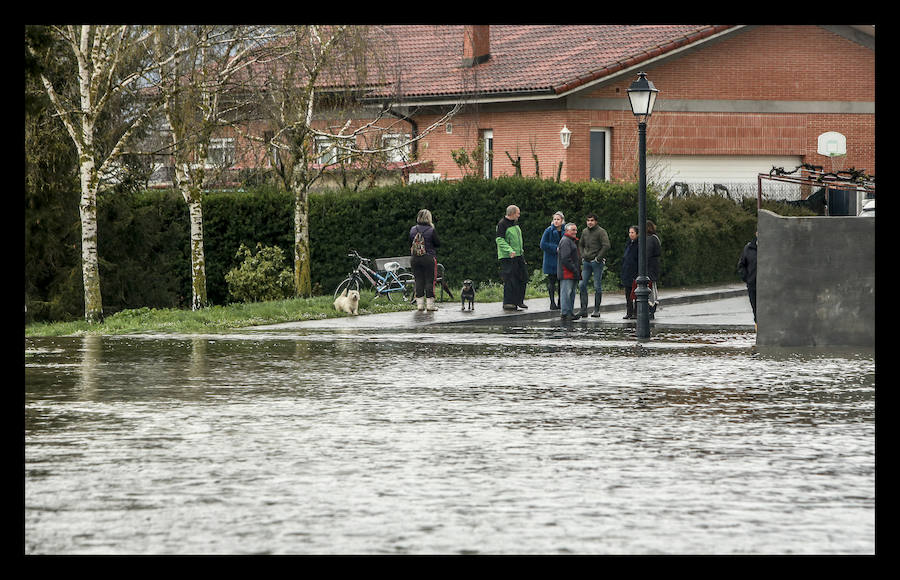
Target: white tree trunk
{"x": 198, "y": 261}
{"x": 90, "y": 262}
{"x": 90, "y": 265}
{"x": 192, "y": 192}
{"x": 302, "y": 278}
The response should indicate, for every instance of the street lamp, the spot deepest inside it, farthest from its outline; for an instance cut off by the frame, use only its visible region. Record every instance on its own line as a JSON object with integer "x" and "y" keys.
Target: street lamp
{"x": 642, "y": 95}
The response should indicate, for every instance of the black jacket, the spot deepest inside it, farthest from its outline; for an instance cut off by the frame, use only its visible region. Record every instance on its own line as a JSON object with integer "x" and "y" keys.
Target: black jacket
{"x": 654, "y": 251}
{"x": 747, "y": 263}
{"x": 567, "y": 256}
{"x": 630, "y": 262}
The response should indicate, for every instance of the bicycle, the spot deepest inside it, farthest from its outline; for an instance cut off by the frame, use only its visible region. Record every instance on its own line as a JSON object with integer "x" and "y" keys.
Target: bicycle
{"x": 387, "y": 284}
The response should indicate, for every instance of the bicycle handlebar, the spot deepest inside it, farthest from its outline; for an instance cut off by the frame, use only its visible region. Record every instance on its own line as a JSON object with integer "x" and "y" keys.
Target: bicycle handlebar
{"x": 355, "y": 254}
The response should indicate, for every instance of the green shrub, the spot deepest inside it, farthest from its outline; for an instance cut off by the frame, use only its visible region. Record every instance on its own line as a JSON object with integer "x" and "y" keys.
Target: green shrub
{"x": 702, "y": 238}
{"x": 261, "y": 276}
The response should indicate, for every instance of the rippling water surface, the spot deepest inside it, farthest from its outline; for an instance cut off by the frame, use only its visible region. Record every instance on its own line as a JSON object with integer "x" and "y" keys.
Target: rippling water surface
{"x": 529, "y": 440}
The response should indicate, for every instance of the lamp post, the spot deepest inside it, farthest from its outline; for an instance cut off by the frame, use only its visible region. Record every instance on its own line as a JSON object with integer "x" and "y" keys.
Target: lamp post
{"x": 642, "y": 95}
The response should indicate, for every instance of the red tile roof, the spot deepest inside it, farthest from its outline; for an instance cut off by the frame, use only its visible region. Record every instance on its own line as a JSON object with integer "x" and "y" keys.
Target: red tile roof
{"x": 524, "y": 59}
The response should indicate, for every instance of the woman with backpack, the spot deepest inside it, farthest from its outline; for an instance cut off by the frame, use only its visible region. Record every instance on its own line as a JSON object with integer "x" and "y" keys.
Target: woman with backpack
{"x": 424, "y": 239}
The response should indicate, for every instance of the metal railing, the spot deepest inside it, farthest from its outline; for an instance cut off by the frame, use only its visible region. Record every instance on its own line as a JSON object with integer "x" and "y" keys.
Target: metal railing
{"x": 819, "y": 182}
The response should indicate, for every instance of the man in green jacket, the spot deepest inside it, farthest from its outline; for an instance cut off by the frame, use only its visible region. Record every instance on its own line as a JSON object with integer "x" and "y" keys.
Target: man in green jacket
{"x": 510, "y": 252}
{"x": 593, "y": 246}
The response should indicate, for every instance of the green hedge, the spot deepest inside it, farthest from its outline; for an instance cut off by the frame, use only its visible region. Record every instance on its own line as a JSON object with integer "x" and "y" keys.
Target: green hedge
{"x": 466, "y": 213}
{"x": 144, "y": 238}
{"x": 702, "y": 239}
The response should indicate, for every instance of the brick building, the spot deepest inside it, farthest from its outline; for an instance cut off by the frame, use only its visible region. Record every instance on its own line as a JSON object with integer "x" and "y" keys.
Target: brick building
{"x": 734, "y": 101}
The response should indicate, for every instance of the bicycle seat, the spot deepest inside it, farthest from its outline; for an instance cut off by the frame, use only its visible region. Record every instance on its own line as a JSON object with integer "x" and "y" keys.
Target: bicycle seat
{"x": 392, "y": 266}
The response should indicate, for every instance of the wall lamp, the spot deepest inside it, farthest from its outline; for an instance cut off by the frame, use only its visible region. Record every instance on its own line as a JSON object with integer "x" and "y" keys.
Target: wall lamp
{"x": 565, "y": 136}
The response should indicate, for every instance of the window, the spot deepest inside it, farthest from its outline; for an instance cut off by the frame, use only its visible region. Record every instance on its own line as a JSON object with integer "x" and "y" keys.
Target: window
{"x": 220, "y": 152}
{"x": 599, "y": 154}
{"x": 397, "y": 146}
{"x": 328, "y": 149}
{"x": 488, "y": 137}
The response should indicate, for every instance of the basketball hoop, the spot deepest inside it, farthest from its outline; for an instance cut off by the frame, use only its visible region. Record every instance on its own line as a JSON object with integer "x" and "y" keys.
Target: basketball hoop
{"x": 832, "y": 144}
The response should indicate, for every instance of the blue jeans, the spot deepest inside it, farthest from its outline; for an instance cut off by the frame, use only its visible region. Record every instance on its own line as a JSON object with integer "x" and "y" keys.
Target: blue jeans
{"x": 589, "y": 269}
{"x": 567, "y": 296}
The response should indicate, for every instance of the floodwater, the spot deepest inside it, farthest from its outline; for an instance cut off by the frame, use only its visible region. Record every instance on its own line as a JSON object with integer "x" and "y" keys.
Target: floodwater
{"x": 537, "y": 439}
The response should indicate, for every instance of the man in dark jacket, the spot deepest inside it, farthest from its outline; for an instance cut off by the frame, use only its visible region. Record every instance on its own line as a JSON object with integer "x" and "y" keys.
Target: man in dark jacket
{"x": 593, "y": 246}
{"x": 568, "y": 270}
{"x": 747, "y": 270}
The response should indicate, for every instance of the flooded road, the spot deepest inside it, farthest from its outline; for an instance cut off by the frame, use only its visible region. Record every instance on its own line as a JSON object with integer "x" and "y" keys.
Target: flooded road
{"x": 536, "y": 439}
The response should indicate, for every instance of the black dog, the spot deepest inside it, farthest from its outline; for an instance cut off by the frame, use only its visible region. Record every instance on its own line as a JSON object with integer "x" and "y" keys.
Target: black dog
{"x": 467, "y": 294}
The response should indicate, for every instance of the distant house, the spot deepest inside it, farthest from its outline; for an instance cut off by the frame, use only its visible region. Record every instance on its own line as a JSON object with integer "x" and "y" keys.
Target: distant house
{"x": 734, "y": 100}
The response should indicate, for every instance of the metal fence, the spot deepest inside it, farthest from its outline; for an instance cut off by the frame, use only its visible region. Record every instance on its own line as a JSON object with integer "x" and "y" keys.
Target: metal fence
{"x": 839, "y": 192}
{"x": 828, "y": 193}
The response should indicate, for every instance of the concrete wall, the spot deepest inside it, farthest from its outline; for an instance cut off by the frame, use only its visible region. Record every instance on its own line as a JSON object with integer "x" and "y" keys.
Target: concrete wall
{"x": 815, "y": 281}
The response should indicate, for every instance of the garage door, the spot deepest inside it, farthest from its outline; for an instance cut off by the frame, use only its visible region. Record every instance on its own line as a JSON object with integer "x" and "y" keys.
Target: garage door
{"x": 738, "y": 173}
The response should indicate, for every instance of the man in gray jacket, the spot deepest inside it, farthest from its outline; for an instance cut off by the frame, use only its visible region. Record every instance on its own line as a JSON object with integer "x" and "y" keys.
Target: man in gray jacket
{"x": 568, "y": 264}
{"x": 593, "y": 246}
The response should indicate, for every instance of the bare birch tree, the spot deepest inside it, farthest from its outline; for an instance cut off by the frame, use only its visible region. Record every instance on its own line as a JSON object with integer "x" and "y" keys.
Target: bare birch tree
{"x": 312, "y": 83}
{"x": 110, "y": 61}
{"x": 196, "y": 68}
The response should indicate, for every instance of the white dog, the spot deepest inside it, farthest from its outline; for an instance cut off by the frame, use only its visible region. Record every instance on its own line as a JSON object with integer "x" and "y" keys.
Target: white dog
{"x": 348, "y": 302}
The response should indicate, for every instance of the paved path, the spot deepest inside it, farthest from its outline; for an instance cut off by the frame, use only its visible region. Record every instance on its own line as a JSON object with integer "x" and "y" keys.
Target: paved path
{"x": 724, "y": 306}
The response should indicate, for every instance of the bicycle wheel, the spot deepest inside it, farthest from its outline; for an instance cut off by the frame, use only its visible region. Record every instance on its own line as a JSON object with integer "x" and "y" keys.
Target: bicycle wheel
{"x": 351, "y": 283}
{"x": 395, "y": 285}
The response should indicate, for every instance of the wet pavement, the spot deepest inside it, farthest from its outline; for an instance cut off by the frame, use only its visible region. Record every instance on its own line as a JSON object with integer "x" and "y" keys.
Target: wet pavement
{"x": 723, "y": 306}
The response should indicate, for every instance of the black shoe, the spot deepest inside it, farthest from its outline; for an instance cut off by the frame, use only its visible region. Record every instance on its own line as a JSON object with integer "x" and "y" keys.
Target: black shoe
{"x": 510, "y": 307}
{"x": 566, "y": 317}
{"x": 575, "y": 317}
{"x": 596, "y": 314}
{"x": 522, "y": 306}
{"x": 554, "y": 306}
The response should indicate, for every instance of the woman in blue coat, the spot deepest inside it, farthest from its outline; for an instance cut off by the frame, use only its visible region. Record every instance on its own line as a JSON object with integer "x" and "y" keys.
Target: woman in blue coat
{"x": 549, "y": 243}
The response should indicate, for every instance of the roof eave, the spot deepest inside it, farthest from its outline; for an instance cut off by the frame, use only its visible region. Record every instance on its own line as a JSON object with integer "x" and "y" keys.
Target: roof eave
{"x": 469, "y": 98}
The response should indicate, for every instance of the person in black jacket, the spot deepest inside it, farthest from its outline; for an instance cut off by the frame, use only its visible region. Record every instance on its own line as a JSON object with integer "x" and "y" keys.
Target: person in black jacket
{"x": 424, "y": 267}
{"x": 747, "y": 270}
{"x": 630, "y": 270}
